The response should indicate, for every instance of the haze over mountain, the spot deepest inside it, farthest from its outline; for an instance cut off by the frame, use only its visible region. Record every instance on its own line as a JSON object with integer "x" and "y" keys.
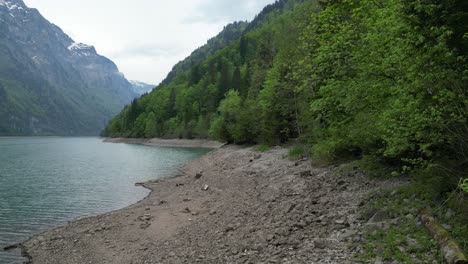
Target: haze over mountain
{"x": 50, "y": 84}
{"x": 141, "y": 88}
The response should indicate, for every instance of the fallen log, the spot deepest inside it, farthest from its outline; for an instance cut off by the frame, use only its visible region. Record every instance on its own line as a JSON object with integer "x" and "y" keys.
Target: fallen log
{"x": 451, "y": 251}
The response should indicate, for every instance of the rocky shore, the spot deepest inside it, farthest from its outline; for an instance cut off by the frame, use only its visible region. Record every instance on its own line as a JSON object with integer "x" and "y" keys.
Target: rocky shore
{"x": 182, "y": 143}
{"x": 233, "y": 205}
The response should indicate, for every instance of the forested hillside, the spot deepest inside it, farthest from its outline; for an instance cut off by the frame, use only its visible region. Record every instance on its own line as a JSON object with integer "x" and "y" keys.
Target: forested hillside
{"x": 385, "y": 80}
{"x": 229, "y": 34}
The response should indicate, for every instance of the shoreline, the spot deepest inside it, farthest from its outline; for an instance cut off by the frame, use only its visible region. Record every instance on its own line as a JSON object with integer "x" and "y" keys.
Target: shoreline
{"x": 232, "y": 205}
{"x": 158, "y": 142}
{"x": 21, "y": 245}
{"x": 175, "y": 143}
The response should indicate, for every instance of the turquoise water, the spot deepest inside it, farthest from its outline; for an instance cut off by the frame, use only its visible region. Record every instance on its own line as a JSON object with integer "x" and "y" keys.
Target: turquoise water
{"x": 45, "y": 182}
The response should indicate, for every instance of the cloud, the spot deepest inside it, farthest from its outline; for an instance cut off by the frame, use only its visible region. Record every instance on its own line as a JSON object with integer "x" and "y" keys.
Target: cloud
{"x": 228, "y": 10}
{"x": 145, "y": 38}
{"x": 146, "y": 50}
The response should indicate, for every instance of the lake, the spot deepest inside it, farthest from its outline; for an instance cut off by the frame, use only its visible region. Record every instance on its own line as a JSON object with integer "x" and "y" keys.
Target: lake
{"x": 47, "y": 181}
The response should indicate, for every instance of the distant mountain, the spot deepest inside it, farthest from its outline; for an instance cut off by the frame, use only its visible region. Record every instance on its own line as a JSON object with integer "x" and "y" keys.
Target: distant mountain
{"x": 50, "y": 84}
{"x": 141, "y": 88}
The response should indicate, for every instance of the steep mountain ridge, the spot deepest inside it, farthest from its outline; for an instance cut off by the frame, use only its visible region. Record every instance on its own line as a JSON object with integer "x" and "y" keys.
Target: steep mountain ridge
{"x": 50, "y": 83}
{"x": 229, "y": 34}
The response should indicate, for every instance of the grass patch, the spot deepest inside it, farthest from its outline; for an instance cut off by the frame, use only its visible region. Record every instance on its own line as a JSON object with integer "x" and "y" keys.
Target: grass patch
{"x": 262, "y": 148}
{"x": 406, "y": 240}
{"x": 297, "y": 152}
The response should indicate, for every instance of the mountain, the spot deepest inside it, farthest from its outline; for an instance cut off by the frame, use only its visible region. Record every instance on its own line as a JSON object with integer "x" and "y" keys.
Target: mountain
{"x": 230, "y": 33}
{"x": 185, "y": 103}
{"x": 141, "y": 88}
{"x": 50, "y": 84}
{"x": 349, "y": 78}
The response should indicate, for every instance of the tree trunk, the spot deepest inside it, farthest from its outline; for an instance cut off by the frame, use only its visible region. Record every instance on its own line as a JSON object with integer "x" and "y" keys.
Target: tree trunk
{"x": 449, "y": 248}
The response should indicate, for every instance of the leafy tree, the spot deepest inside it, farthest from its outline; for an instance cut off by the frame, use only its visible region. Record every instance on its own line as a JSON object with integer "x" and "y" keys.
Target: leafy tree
{"x": 385, "y": 79}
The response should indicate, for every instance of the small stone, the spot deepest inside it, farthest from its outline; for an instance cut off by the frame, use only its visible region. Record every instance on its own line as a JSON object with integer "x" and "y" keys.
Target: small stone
{"x": 206, "y": 187}
{"x": 320, "y": 244}
{"x": 186, "y": 211}
{"x": 379, "y": 216}
{"x": 198, "y": 175}
{"x": 378, "y": 260}
{"x": 448, "y": 227}
{"x": 340, "y": 222}
{"x": 212, "y": 212}
{"x": 348, "y": 234}
{"x": 379, "y": 249}
{"x": 341, "y": 182}
{"x": 449, "y": 214}
{"x": 230, "y": 228}
{"x": 301, "y": 224}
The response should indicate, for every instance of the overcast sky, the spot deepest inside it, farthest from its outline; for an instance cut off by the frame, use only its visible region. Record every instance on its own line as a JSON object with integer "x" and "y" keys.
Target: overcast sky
{"x": 145, "y": 38}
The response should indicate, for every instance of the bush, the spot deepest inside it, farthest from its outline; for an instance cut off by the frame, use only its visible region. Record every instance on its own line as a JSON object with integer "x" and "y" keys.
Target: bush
{"x": 297, "y": 152}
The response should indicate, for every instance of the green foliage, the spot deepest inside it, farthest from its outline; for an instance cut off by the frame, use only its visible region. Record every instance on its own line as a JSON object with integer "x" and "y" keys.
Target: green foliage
{"x": 263, "y": 148}
{"x": 297, "y": 152}
{"x": 199, "y": 101}
{"x": 464, "y": 185}
{"x": 380, "y": 80}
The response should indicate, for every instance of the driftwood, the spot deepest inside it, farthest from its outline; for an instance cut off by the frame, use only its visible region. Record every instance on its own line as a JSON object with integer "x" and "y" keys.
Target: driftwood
{"x": 451, "y": 251}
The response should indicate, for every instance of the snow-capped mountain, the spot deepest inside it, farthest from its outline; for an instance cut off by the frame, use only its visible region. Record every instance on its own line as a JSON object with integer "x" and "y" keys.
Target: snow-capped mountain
{"x": 141, "y": 87}
{"x": 49, "y": 83}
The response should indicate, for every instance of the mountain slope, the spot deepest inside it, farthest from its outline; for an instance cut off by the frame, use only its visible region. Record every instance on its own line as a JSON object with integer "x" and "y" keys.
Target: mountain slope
{"x": 49, "y": 84}
{"x": 350, "y": 78}
{"x": 229, "y": 34}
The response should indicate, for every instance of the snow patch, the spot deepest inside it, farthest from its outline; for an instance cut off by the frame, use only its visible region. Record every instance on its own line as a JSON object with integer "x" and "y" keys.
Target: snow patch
{"x": 11, "y": 6}
{"x": 79, "y": 46}
{"x": 81, "y": 49}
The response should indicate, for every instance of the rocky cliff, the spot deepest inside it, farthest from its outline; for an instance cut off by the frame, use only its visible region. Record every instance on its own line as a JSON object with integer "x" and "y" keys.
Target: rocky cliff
{"x": 50, "y": 84}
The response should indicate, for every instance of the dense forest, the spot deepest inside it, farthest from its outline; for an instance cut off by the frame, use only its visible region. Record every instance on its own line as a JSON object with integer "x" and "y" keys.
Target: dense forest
{"x": 384, "y": 80}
